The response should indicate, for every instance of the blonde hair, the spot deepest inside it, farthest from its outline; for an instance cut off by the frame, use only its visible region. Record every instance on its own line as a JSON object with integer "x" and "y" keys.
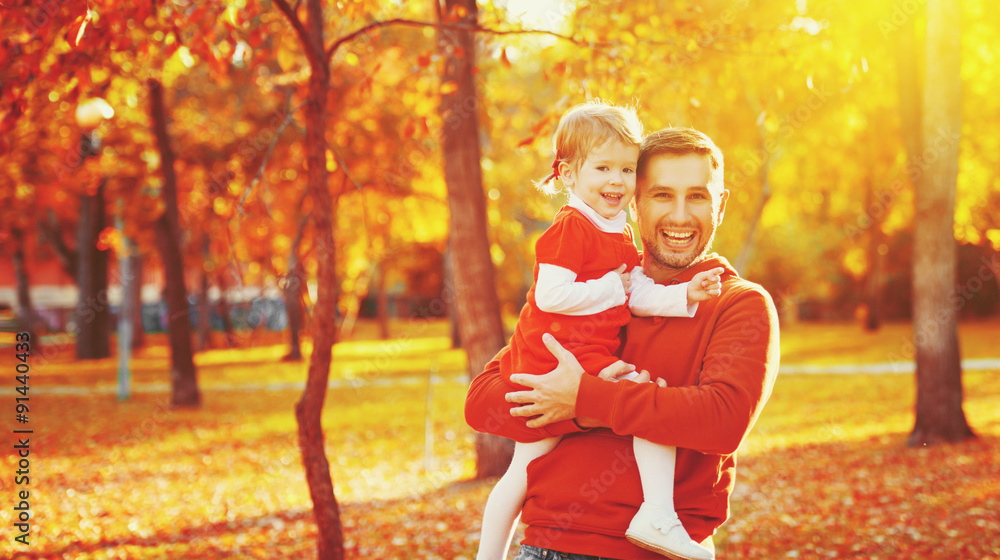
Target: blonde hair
{"x": 586, "y": 127}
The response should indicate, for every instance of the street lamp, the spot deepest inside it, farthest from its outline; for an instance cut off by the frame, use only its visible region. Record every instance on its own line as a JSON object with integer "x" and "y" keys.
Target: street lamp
{"x": 89, "y": 115}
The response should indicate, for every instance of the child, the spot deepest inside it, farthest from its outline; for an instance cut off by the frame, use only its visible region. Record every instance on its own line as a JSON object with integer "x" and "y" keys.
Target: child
{"x": 582, "y": 284}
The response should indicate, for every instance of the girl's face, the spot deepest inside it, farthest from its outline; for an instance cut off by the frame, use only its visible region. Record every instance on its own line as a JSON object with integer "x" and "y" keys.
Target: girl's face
{"x": 605, "y": 179}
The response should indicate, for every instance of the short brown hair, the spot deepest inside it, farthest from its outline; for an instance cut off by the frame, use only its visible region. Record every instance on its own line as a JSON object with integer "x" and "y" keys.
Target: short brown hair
{"x": 677, "y": 142}
{"x": 588, "y": 126}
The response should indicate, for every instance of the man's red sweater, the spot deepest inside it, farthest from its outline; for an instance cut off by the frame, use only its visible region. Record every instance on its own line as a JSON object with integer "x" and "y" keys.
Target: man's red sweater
{"x": 719, "y": 366}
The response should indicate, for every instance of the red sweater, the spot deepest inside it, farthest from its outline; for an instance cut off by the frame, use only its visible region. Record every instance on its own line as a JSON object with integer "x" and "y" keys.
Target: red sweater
{"x": 719, "y": 366}
{"x": 574, "y": 243}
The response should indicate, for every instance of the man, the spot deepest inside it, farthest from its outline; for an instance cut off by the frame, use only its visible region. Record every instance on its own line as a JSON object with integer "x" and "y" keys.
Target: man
{"x": 712, "y": 375}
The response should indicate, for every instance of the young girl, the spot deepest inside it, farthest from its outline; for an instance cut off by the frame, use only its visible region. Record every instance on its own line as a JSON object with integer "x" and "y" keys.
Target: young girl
{"x": 582, "y": 284}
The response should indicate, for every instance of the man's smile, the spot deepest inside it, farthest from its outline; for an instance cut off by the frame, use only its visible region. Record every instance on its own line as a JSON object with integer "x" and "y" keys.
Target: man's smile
{"x": 678, "y": 239}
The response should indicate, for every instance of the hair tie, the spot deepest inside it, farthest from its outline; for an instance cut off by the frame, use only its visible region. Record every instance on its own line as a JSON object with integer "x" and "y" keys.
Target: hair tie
{"x": 555, "y": 168}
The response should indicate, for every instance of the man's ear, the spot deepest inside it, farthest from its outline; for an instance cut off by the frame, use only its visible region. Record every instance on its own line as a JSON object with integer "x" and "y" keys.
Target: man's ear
{"x": 722, "y": 205}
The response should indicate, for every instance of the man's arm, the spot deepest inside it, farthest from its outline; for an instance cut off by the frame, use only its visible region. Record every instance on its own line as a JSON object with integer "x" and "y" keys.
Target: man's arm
{"x": 486, "y": 409}
{"x": 712, "y": 417}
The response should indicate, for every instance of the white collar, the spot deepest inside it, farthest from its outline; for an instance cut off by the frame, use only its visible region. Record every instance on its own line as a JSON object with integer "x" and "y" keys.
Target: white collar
{"x": 607, "y": 225}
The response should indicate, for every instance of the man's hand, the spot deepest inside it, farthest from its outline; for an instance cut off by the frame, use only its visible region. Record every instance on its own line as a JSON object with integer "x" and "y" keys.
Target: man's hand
{"x": 705, "y": 285}
{"x": 552, "y": 397}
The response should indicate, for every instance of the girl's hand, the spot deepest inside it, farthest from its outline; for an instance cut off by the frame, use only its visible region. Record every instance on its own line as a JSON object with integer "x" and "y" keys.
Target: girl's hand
{"x": 705, "y": 285}
{"x": 625, "y": 278}
{"x": 618, "y": 371}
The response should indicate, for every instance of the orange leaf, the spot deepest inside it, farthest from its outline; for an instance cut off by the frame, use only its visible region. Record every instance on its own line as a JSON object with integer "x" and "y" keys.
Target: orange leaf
{"x": 83, "y": 26}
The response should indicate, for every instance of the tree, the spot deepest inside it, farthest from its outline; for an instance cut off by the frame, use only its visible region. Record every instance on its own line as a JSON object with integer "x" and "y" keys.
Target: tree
{"x": 939, "y": 414}
{"x": 309, "y": 408}
{"x": 93, "y": 319}
{"x": 477, "y": 307}
{"x": 25, "y": 311}
{"x": 293, "y": 290}
{"x": 184, "y": 380}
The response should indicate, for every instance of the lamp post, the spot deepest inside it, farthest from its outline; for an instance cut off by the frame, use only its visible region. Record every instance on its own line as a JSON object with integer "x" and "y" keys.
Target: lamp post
{"x": 89, "y": 115}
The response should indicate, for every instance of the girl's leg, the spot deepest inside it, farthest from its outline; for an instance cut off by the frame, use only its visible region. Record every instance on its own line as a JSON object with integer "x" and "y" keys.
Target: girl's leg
{"x": 656, "y": 526}
{"x": 656, "y": 470}
{"x": 504, "y": 504}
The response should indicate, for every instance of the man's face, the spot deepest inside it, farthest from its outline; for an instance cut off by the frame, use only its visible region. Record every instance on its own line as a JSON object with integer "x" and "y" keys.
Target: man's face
{"x": 677, "y": 213}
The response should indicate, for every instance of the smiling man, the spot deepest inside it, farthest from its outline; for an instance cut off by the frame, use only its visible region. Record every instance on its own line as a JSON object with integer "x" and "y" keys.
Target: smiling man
{"x": 712, "y": 375}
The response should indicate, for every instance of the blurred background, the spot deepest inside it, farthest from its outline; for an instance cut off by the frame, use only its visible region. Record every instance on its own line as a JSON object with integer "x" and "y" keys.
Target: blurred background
{"x": 162, "y": 164}
{"x": 813, "y": 104}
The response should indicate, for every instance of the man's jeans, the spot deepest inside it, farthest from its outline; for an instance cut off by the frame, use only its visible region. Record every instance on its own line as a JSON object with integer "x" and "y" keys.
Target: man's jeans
{"x": 528, "y": 552}
{"x": 534, "y": 553}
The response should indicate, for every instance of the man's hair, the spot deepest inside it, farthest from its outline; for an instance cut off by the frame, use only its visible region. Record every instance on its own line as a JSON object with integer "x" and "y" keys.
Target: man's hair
{"x": 586, "y": 127}
{"x": 678, "y": 142}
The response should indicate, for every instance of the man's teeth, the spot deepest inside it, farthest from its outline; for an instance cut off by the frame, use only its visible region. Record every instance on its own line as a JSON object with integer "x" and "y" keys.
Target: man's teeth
{"x": 678, "y": 238}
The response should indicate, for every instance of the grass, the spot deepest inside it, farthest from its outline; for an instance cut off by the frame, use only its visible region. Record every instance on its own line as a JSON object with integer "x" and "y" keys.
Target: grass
{"x": 825, "y": 473}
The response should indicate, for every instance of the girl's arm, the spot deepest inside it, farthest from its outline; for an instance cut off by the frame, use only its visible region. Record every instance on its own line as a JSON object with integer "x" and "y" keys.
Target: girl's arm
{"x": 649, "y": 299}
{"x": 557, "y": 291}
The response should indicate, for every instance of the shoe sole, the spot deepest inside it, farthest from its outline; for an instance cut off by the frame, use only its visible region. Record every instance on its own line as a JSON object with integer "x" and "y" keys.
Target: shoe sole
{"x": 640, "y": 542}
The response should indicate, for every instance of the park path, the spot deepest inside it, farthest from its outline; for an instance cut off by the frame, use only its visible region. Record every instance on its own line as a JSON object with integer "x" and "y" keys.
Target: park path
{"x": 795, "y": 369}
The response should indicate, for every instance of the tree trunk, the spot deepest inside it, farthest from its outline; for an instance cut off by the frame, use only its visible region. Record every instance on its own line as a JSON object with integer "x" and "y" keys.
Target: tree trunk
{"x": 93, "y": 319}
{"x": 477, "y": 306}
{"x": 292, "y": 292}
{"x": 184, "y": 377}
{"x": 908, "y": 58}
{"x": 309, "y": 409}
{"x": 222, "y": 308}
{"x": 996, "y": 277}
{"x": 743, "y": 260}
{"x": 939, "y": 414}
{"x": 204, "y": 325}
{"x": 134, "y": 295}
{"x": 382, "y": 302}
{"x": 52, "y": 233}
{"x": 876, "y": 261}
{"x": 25, "y": 311}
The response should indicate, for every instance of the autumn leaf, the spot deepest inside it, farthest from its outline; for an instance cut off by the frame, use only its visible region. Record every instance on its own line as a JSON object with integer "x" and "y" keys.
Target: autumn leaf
{"x": 83, "y": 26}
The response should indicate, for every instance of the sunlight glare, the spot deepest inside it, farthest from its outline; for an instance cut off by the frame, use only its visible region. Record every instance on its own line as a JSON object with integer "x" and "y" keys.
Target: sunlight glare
{"x": 547, "y": 15}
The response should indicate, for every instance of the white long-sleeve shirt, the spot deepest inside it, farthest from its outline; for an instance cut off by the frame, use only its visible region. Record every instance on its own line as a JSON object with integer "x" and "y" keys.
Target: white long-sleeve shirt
{"x": 557, "y": 291}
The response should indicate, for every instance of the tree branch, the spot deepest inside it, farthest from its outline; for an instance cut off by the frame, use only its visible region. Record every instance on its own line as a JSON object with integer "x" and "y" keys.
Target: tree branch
{"x": 300, "y": 29}
{"x": 449, "y": 26}
{"x": 267, "y": 155}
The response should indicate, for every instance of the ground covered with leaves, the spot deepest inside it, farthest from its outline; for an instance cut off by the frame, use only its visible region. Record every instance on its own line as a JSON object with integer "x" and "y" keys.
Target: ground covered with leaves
{"x": 825, "y": 473}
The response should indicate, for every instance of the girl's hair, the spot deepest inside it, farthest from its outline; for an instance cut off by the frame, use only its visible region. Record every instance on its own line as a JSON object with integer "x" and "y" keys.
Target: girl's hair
{"x": 588, "y": 126}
